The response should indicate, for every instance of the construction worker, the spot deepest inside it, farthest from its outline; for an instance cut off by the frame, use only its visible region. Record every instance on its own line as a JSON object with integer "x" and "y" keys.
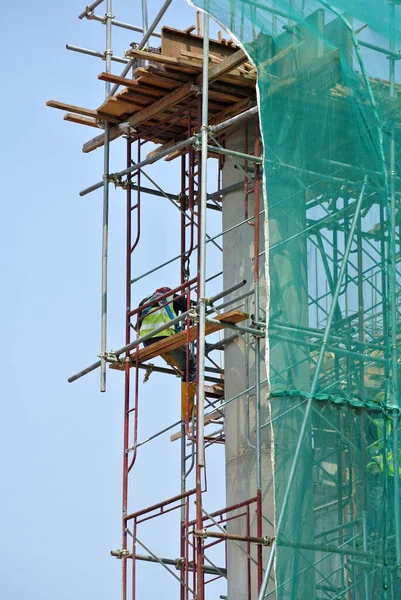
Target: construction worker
{"x": 162, "y": 310}
{"x": 380, "y": 472}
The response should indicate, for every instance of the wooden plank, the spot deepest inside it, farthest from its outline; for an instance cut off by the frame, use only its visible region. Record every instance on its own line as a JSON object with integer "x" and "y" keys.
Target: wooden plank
{"x": 188, "y": 65}
{"x": 80, "y": 110}
{"x": 178, "y": 95}
{"x": 180, "y": 339}
{"x": 131, "y": 84}
{"x": 155, "y": 80}
{"x": 230, "y": 111}
{"x": 115, "y": 132}
{"x": 199, "y": 57}
{"x": 81, "y": 120}
{"x": 118, "y": 107}
{"x": 223, "y": 97}
{"x": 172, "y": 74}
{"x": 227, "y": 65}
{"x": 109, "y": 77}
{"x": 183, "y": 92}
{"x": 86, "y": 112}
{"x": 212, "y": 59}
{"x": 217, "y": 414}
{"x": 174, "y": 40}
{"x": 130, "y": 96}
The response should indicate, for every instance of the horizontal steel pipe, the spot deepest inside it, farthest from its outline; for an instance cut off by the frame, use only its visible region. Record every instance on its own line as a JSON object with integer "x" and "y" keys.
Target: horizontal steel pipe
{"x": 143, "y": 163}
{"x": 89, "y": 9}
{"x": 227, "y": 152}
{"x": 176, "y": 563}
{"x": 234, "y": 120}
{"x": 251, "y": 330}
{"x": 153, "y": 507}
{"x": 204, "y": 533}
{"x": 94, "y": 53}
{"x": 100, "y": 19}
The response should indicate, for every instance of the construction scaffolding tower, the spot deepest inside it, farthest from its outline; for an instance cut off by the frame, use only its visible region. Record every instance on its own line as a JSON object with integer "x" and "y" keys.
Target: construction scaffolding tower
{"x": 294, "y": 113}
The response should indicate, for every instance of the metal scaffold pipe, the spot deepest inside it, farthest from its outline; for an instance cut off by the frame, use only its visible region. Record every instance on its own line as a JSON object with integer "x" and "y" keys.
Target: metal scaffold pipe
{"x": 105, "y": 229}
{"x": 122, "y": 25}
{"x": 89, "y": 9}
{"x": 393, "y": 295}
{"x": 145, "y": 23}
{"x": 143, "y": 163}
{"x": 96, "y": 54}
{"x": 144, "y": 41}
{"x": 234, "y": 120}
{"x": 202, "y": 247}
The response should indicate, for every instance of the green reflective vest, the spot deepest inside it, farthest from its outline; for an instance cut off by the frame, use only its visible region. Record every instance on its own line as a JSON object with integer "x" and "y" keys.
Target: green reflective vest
{"x": 376, "y": 463}
{"x": 156, "y": 318}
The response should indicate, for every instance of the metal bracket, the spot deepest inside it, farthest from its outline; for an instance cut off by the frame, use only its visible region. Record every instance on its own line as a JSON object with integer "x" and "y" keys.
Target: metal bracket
{"x": 116, "y": 179}
{"x": 119, "y": 553}
{"x": 202, "y": 534}
{"x": 107, "y": 16}
{"x": 109, "y": 357}
{"x": 267, "y": 541}
{"x": 148, "y": 372}
{"x": 179, "y": 562}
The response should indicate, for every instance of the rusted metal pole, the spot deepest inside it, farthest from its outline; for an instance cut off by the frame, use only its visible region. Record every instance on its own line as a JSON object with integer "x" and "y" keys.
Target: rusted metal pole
{"x": 204, "y": 533}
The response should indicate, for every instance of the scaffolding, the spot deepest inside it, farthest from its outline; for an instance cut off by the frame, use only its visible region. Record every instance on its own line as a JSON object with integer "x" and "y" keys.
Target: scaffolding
{"x": 305, "y": 399}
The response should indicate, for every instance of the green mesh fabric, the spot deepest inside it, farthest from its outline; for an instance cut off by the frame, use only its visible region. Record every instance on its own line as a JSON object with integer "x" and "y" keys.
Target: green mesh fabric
{"x": 330, "y": 125}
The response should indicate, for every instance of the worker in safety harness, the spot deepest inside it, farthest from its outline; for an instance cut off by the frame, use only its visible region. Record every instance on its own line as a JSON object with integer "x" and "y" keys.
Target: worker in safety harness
{"x": 162, "y": 310}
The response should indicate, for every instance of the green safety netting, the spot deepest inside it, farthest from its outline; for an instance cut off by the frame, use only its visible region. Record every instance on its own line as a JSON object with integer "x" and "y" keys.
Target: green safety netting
{"x": 330, "y": 125}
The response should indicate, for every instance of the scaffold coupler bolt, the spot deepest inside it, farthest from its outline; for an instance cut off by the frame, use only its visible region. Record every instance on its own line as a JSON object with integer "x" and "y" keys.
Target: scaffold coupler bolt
{"x": 109, "y": 357}
{"x": 267, "y": 541}
{"x": 119, "y": 553}
{"x": 148, "y": 372}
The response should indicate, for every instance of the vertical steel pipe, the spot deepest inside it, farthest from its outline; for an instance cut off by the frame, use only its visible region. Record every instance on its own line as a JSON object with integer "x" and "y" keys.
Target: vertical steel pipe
{"x": 145, "y": 24}
{"x": 393, "y": 299}
{"x": 127, "y": 376}
{"x": 144, "y": 41}
{"x": 256, "y": 267}
{"x": 200, "y": 403}
{"x": 105, "y": 232}
{"x": 202, "y": 247}
{"x": 105, "y": 243}
{"x": 108, "y": 52}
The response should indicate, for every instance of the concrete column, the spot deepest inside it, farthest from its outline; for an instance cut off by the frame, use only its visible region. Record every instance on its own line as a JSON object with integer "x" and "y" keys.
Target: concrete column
{"x": 289, "y": 300}
{"x": 239, "y": 361}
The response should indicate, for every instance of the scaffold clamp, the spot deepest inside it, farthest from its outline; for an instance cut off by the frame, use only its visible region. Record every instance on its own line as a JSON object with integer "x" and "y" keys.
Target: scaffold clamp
{"x": 107, "y": 16}
{"x": 116, "y": 179}
{"x": 109, "y": 357}
{"x": 148, "y": 372}
{"x": 119, "y": 553}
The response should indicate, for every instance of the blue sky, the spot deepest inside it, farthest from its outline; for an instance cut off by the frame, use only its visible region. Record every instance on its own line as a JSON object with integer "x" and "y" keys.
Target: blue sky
{"x": 61, "y": 444}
